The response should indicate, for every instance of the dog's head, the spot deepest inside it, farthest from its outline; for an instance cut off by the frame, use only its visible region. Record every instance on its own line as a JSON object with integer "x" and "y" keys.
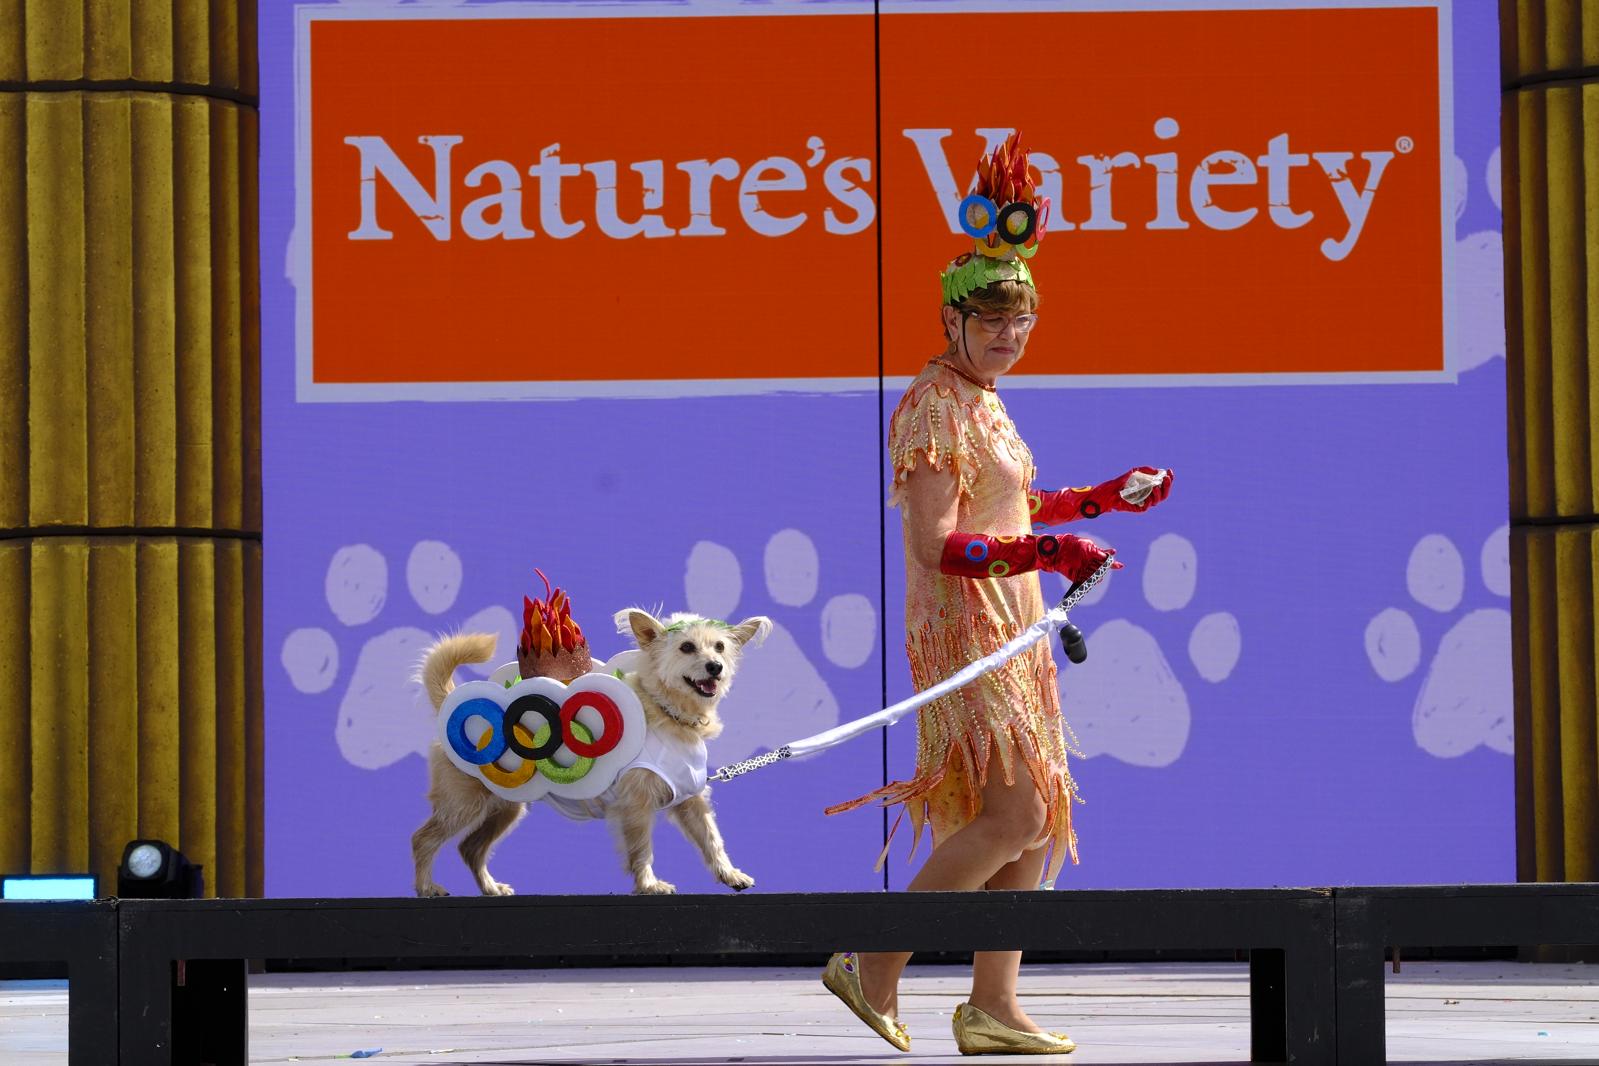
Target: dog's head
{"x": 689, "y": 659}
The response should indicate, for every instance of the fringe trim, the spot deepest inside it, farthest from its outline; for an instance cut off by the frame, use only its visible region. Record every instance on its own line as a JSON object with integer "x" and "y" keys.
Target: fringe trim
{"x": 1054, "y": 784}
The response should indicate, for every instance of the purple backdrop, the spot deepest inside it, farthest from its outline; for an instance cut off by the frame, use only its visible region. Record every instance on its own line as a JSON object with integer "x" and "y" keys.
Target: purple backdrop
{"x": 1302, "y": 678}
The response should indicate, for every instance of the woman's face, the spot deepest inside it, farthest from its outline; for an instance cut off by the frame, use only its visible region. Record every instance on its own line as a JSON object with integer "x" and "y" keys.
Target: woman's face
{"x": 991, "y": 341}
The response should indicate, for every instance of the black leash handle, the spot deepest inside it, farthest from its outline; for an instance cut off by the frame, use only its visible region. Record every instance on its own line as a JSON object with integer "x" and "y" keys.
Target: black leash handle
{"x": 1072, "y": 641}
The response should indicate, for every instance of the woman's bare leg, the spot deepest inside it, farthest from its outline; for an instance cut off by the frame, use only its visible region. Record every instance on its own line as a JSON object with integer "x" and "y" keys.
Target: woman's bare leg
{"x": 1011, "y": 819}
{"x": 994, "y": 973}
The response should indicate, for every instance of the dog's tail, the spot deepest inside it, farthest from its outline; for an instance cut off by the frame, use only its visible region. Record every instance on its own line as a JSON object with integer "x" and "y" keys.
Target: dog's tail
{"x": 442, "y": 659}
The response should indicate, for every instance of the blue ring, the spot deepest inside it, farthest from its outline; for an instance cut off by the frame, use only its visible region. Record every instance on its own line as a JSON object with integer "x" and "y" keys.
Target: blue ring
{"x": 978, "y": 200}
{"x": 455, "y": 730}
{"x": 980, "y": 554}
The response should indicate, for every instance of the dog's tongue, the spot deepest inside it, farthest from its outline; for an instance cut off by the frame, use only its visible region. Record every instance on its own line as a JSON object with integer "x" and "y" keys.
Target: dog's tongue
{"x": 707, "y": 686}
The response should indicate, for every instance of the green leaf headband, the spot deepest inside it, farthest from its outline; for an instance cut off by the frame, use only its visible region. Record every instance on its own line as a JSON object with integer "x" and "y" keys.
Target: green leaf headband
{"x": 970, "y": 272}
{"x": 685, "y": 623}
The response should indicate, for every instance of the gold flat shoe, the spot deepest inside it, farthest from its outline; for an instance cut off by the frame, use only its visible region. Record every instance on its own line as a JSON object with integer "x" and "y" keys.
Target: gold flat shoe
{"x": 979, "y": 1033}
{"x": 842, "y": 978}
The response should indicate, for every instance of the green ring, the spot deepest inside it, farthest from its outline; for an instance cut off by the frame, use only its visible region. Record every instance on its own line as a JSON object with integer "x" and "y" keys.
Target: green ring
{"x": 998, "y": 568}
{"x": 565, "y": 775}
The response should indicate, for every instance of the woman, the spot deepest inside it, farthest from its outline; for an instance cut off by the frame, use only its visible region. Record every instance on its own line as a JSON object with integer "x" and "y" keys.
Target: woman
{"x": 991, "y": 774}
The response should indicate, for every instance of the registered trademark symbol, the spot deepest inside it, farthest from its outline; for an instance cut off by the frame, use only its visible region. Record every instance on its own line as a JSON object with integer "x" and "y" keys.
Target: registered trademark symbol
{"x": 1405, "y": 145}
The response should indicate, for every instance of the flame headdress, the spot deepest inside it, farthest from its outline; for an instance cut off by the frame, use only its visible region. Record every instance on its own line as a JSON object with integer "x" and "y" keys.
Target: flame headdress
{"x": 552, "y": 644}
{"x": 1006, "y": 217}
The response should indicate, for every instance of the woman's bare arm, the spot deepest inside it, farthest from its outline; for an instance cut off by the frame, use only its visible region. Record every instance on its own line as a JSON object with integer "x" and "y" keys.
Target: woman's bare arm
{"x": 930, "y": 513}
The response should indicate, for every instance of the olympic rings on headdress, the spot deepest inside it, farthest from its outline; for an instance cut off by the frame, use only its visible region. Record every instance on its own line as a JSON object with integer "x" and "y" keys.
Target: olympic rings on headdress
{"x": 1009, "y": 231}
{"x": 985, "y": 223}
{"x": 1016, "y": 222}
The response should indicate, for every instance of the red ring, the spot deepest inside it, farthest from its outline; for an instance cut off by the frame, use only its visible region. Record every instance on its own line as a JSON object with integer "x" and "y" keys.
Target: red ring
{"x": 610, "y": 714}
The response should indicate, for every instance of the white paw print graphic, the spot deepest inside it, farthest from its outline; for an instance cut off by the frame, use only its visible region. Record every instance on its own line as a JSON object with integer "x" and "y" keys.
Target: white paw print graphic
{"x": 1466, "y": 698}
{"x": 1126, "y": 701}
{"x": 384, "y": 714}
{"x": 1479, "y": 279}
{"x": 779, "y": 695}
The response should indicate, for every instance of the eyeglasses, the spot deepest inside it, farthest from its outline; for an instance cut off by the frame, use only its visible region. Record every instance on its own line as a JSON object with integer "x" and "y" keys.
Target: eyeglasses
{"x": 997, "y": 323}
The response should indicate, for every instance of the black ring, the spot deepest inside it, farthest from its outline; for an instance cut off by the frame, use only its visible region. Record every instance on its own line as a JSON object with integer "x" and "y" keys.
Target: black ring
{"x": 538, "y": 704}
{"x": 1048, "y": 546}
{"x": 1004, "y": 227}
{"x": 1090, "y": 509}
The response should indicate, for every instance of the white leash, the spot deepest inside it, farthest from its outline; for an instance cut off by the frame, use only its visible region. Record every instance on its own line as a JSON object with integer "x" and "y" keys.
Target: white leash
{"x": 1054, "y": 620}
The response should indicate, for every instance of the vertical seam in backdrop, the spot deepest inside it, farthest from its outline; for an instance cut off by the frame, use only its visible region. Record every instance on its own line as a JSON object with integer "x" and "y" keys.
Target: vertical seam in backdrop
{"x": 877, "y": 454}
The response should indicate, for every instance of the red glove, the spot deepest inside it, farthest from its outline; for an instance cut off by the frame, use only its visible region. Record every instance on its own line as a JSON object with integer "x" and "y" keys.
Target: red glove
{"x": 979, "y": 555}
{"x": 1051, "y": 508}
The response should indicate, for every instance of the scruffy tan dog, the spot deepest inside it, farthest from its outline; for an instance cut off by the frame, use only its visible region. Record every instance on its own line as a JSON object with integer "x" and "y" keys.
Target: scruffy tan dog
{"x": 460, "y": 803}
{"x": 683, "y": 670}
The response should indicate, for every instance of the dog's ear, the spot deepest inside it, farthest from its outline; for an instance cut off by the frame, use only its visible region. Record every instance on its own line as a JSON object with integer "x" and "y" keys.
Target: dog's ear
{"x": 752, "y": 630}
{"x": 646, "y": 629}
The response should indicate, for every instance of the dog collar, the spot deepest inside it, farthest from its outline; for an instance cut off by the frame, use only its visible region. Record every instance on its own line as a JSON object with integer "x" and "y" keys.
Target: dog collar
{"x": 666, "y": 709}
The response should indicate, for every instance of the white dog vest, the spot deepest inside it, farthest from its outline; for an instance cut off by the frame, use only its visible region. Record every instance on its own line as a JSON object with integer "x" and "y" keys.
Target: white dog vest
{"x": 681, "y": 764}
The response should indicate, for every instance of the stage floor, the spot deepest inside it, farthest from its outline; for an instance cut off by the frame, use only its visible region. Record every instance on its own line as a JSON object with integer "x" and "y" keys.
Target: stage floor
{"x": 1167, "y": 1013}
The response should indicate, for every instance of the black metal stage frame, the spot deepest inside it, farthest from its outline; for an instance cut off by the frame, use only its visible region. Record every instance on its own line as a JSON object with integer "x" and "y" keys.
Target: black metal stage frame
{"x": 155, "y": 981}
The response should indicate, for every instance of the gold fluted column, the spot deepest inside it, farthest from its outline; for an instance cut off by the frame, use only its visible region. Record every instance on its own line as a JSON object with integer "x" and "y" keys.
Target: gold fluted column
{"x": 1550, "y": 66}
{"x": 130, "y": 512}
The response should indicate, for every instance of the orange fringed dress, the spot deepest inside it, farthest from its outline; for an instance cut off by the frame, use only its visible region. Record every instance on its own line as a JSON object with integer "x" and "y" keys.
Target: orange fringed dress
{"x": 1012, "y": 713}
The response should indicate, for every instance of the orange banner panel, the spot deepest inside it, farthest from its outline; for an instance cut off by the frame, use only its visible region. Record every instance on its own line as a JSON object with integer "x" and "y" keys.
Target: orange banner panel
{"x": 552, "y": 199}
{"x": 1234, "y": 192}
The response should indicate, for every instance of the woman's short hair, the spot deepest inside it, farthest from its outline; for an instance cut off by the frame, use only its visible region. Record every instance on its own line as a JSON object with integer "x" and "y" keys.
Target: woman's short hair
{"x": 1001, "y": 297}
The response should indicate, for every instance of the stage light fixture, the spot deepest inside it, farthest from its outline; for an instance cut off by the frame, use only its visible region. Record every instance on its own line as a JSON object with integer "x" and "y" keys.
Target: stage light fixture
{"x": 153, "y": 869}
{"x": 47, "y": 886}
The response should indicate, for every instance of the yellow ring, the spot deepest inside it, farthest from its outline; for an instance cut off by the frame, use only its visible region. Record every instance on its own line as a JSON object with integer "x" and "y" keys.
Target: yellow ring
{"x": 511, "y": 778}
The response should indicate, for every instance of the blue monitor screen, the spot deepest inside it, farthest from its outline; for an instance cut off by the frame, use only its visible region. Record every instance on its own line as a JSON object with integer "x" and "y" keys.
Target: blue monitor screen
{"x": 72, "y": 886}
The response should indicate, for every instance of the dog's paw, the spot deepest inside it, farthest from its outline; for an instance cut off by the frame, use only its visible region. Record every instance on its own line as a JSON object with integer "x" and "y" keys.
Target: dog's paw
{"x": 655, "y": 888}
{"x": 735, "y": 879}
{"x": 500, "y": 888}
{"x": 431, "y": 891}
